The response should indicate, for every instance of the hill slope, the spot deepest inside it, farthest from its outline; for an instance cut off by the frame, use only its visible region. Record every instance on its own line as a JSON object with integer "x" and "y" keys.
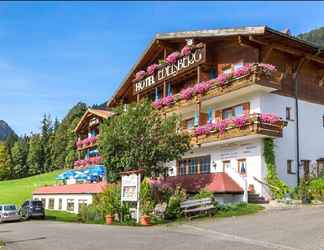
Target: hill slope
{"x": 19, "y": 190}
{"x": 5, "y": 130}
{"x": 315, "y": 36}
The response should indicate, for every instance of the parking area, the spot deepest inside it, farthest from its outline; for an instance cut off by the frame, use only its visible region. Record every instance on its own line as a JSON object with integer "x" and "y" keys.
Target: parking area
{"x": 301, "y": 228}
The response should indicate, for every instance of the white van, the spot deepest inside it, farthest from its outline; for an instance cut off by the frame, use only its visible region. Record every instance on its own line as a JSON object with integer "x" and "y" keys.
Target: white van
{"x": 8, "y": 212}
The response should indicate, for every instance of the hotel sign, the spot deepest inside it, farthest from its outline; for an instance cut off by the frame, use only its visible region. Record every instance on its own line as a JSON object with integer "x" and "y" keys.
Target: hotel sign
{"x": 130, "y": 187}
{"x": 167, "y": 71}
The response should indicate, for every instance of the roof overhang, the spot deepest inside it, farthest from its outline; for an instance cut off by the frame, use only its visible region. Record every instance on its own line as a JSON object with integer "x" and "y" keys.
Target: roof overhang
{"x": 225, "y": 32}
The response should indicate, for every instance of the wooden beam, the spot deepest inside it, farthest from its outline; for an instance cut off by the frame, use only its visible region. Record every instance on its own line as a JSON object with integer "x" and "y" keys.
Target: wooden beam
{"x": 245, "y": 42}
{"x": 267, "y": 53}
{"x": 321, "y": 81}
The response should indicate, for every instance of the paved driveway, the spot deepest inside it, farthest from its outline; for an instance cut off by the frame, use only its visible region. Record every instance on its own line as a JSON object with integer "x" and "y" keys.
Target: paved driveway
{"x": 301, "y": 228}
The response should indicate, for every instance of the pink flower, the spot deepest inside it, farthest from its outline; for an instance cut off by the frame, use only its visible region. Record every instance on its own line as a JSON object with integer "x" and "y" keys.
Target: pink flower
{"x": 202, "y": 87}
{"x": 222, "y": 78}
{"x": 79, "y": 143}
{"x": 201, "y": 130}
{"x": 267, "y": 68}
{"x": 244, "y": 70}
{"x": 269, "y": 118}
{"x": 187, "y": 93}
{"x": 157, "y": 104}
{"x": 172, "y": 58}
{"x": 86, "y": 141}
{"x": 185, "y": 50}
{"x": 151, "y": 69}
{"x": 166, "y": 101}
{"x": 240, "y": 121}
{"x": 139, "y": 75}
{"x": 222, "y": 125}
{"x": 92, "y": 139}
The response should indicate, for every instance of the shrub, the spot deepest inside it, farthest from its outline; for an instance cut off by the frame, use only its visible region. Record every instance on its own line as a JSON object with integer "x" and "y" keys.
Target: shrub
{"x": 108, "y": 202}
{"x": 203, "y": 193}
{"x": 173, "y": 208}
{"x": 90, "y": 214}
{"x": 146, "y": 197}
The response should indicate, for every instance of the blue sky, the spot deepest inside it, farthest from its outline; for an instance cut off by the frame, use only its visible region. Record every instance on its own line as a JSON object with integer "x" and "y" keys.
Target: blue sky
{"x": 54, "y": 54}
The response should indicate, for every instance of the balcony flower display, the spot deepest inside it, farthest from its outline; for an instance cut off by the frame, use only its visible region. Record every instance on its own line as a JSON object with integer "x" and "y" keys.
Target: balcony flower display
{"x": 172, "y": 58}
{"x": 139, "y": 75}
{"x": 269, "y": 118}
{"x": 151, "y": 69}
{"x": 240, "y": 121}
{"x": 223, "y": 78}
{"x": 187, "y": 93}
{"x": 79, "y": 143}
{"x": 202, "y": 87}
{"x": 166, "y": 101}
{"x": 267, "y": 68}
{"x": 242, "y": 71}
{"x": 157, "y": 104}
{"x": 185, "y": 50}
{"x": 92, "y": 139}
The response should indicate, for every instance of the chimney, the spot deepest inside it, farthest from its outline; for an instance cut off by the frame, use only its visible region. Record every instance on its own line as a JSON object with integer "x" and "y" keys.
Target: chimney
{"x": 286, "y": 31}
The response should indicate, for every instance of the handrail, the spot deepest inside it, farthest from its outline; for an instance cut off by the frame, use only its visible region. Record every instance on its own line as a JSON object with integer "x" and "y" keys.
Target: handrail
{"x": 266, "y": 184}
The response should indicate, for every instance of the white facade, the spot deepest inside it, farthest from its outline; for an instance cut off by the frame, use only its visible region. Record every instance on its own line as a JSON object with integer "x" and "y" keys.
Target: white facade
{"x": 250, "y": 148}
{"x": 62, "y": 205}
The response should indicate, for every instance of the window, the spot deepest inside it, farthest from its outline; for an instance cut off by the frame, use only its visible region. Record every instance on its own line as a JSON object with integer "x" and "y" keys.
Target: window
{"x": 192, "y": 166}
{"x": 290, "y": 167}
{"x": 182, "y": 167}
{"x": 227, "y": 69}
{"x": 233, "y": 112}
{"x": 81, "y": 204}
{"x": 289, "y": 114}
{"x": 242, "y": 166}
{"x": 320, "y": 167}
{"x": 205, "y": 165}
{"x": 60, "y": 204}
{"x": 190, "y": 123}
{"x": 44, "y": 202}
{"x": 323, "y": 120}
{"x": 70, "y": 205}
{"x": 51, "y": 203}
{"x": 226, "y": 165}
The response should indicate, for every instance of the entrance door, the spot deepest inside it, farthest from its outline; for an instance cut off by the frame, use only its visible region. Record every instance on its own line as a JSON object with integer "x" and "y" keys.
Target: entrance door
{"x": 241, "y": 168}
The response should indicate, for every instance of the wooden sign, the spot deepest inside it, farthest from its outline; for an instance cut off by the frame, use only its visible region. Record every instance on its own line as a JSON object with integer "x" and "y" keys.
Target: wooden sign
{"x": 168, "y": 71}
{"x": 130, "y": 185}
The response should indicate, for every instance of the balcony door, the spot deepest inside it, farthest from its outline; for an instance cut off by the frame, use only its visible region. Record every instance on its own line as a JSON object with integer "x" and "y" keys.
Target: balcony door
{"x": 320, "y": 167}
{"x": 305, "y": 165}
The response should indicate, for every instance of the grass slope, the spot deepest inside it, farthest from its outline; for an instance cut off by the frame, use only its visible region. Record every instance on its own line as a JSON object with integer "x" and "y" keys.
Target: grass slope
{"x": 19, "y": 190}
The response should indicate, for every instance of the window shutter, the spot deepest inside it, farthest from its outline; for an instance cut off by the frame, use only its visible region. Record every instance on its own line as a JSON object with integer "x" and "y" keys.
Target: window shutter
{"x": 218, "y": 115}
{"x": 203, "y": 118}
{"x": 246, "y": 107}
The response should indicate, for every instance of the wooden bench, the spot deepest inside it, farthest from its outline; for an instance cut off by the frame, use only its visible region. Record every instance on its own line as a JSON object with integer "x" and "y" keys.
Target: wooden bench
{"x": 200, "y": 206}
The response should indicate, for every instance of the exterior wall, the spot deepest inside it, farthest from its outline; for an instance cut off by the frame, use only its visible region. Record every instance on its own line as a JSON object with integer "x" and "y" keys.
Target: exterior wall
{"x": 311, "y": 133}
{"x": 64, "y": 197}
{"x": 251, "y": 150}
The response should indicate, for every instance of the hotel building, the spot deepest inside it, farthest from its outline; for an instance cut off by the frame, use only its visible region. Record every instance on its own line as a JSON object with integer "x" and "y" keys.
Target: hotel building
{"x": 232, "y": 89}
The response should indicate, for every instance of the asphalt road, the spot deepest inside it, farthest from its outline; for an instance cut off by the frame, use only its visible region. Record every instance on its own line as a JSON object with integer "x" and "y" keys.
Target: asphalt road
{"x": 292, "y": 229}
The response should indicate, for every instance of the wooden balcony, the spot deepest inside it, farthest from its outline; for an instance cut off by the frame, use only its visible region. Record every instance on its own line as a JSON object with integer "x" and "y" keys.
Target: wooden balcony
{"x": 254, "y": 82}
{"x": 254, "y": 126}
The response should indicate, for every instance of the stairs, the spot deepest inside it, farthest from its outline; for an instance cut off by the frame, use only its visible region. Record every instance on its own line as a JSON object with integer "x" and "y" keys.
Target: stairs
{"x": 256, "y": 198}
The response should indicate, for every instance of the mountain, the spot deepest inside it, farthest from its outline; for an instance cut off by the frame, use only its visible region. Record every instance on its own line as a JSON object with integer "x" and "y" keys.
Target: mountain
{"x": 315, "y": 36}
{"x": 5, "y": 130}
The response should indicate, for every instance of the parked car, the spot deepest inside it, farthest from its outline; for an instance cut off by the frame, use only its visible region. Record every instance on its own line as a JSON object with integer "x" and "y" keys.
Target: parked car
{"x": 8, "y": 212}
{"x": 32, "y": 209}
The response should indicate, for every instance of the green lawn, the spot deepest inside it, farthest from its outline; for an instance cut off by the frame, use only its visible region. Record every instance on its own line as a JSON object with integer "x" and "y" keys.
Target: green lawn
{"x": 61, "y": 216}
{"x": 19, "y": 190}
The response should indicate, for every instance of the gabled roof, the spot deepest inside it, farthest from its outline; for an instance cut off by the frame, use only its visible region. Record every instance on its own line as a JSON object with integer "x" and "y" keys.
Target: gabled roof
{"x": 224, "y": 32}
{"x": 98, "y": 112}
{"x": 86, "y": 188}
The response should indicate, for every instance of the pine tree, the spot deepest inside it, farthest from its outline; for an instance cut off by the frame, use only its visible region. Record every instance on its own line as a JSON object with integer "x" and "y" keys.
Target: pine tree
{"x": 35, "y": 158}
{"x": 19, "y": 153}
{"x": 46, "y": 133}
{"x": 4, "y": 163}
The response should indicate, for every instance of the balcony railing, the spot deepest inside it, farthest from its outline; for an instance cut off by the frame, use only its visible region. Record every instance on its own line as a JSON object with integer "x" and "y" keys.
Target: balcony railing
{"x": 87, "y": 142}
{"x": 267, "y": 125}
{"x": 252, "y": 74}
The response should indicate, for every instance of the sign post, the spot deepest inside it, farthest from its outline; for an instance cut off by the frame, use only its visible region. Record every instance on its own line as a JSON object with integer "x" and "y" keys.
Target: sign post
{"x": 130, "y": 189}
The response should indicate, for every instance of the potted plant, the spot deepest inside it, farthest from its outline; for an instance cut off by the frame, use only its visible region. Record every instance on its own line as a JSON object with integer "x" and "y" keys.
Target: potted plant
{"x": 109, "y": 215}
{"x": 146, "y": 202}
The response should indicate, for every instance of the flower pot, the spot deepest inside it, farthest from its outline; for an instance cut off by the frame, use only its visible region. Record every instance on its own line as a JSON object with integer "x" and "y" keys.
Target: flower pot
{"x": 145, "y": 220}
{"x": 109, "y": 219}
